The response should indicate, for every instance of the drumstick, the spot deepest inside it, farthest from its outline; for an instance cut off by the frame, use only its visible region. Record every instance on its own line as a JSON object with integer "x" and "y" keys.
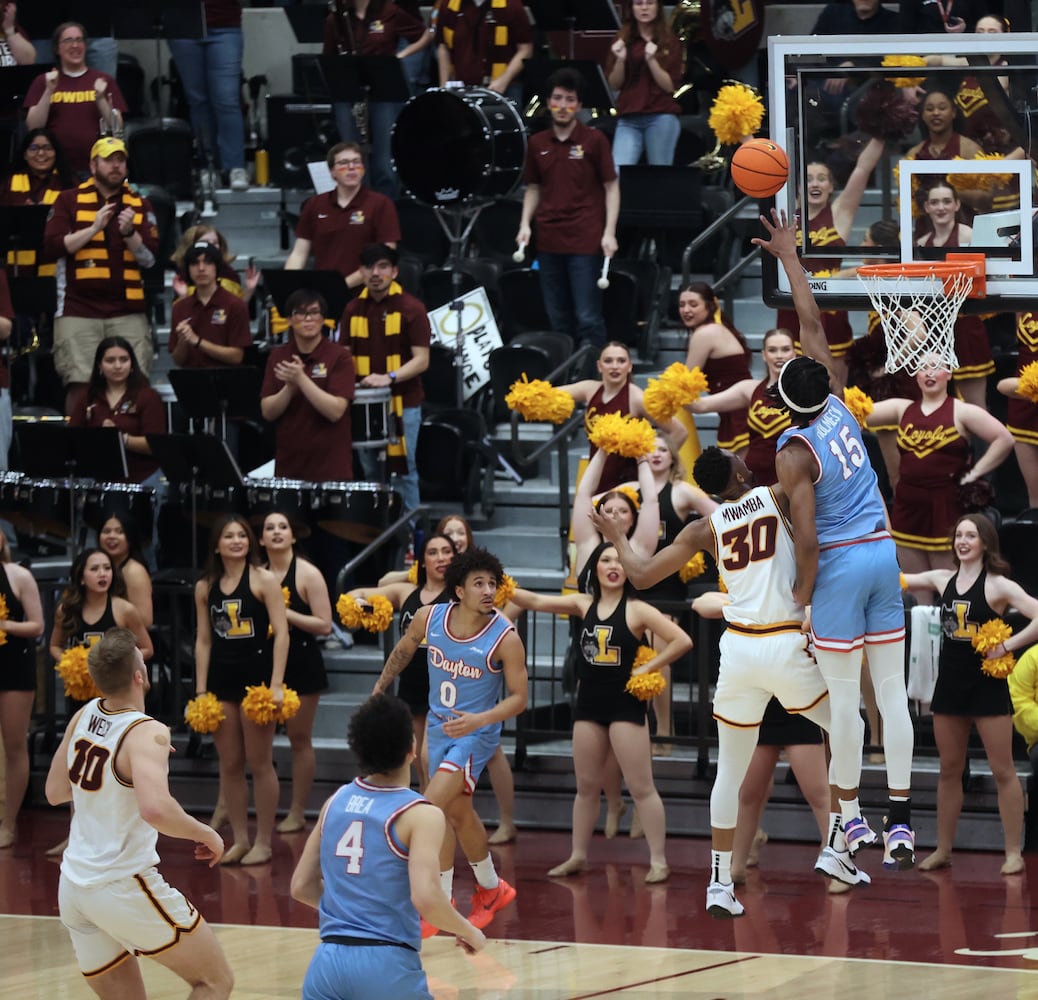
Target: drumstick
{"x": 520, "y": 253}
{"x": 603, "y": 281}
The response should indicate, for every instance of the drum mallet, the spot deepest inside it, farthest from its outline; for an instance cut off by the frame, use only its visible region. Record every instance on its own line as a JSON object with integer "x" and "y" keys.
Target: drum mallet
{"x": 603, "y": 279}
{"x": 520, "y": 253}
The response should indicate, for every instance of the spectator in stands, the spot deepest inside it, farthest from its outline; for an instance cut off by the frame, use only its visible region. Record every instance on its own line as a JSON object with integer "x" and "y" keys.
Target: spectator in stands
{"x": 45, "y": 175}
{"x": 720, "y": 351}
{"x": 210, "y": 327}
{"x": 573, "y": 194}
{"x": 15, "y": 47}
{"x": 389, "y": 335}
{"x": 23, "y": 624}
{"x": 72, "y": 97}
{"x": 100, "y": 265}
{"x": 860, "y": 17}
{"x": 1022, "y": 417}
{"x": 373, "y": 28}
{"x": 226, "y": 275}
{"x": 119, "y": 538}
{"x": 927, "y": 16}
{"x": 483, "y": 44}
{"x": 210, "y": 71}
{"x": 1023, "y": 689}
{"x": 6, "y": 416}
{"x": 644, "y": 65}
{"x": 336, "y": 226}
{"x": 118, "y": 395}
{"x": 306, "y": 393}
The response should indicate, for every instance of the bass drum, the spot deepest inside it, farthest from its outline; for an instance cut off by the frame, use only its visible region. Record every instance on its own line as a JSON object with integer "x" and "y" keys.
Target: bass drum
{"x": 451, "y": 146}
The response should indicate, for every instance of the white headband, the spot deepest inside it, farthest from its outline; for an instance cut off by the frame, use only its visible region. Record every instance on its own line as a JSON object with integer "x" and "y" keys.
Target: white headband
{"x": 789, "y": 403}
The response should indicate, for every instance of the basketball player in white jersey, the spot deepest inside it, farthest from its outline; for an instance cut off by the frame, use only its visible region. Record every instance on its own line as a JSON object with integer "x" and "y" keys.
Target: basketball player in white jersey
{"x": 763, "y": 651}
{"x": 113, "y": 764}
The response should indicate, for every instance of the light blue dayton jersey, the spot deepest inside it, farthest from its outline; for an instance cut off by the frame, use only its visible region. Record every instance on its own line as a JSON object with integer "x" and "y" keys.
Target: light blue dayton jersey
{"x": 847, "y": 500}
{"x": 367, "y": 889}
{"x": 464, "y": 674}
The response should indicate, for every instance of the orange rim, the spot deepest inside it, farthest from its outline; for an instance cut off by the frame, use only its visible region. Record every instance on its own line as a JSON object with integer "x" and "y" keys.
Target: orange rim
{"x": 966, "y": 263}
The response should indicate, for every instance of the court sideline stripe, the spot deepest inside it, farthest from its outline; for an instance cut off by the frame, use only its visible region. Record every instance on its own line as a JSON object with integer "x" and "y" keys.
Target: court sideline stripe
{"x": 662, "y": 979}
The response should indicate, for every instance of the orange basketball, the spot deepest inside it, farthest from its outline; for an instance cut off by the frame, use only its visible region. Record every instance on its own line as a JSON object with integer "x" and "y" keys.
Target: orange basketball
{"x": 759, "y": 168}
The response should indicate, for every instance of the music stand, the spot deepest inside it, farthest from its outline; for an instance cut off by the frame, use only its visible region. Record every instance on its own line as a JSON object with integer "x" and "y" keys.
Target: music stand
{"x": 57, "y": 451}
{"x": 307, "y": 22}
{"x": 209, "y": 393}
{"x": 597, "y": 94}
{"x": 572, "y": 16}
{"x": 186, "y": 458}
{"x": 354, "y": 78}
{"x": 281, "y": 284}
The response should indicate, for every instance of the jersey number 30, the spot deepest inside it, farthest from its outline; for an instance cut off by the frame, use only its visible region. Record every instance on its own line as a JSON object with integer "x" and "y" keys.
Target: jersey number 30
{"x": 746, "y": 543}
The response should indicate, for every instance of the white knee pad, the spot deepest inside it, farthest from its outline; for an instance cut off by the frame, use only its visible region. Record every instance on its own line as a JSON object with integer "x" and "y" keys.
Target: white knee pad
{"x": 734, "y": 749}
{"x": 887, "y": 665}
{"x": 842, "y": 673}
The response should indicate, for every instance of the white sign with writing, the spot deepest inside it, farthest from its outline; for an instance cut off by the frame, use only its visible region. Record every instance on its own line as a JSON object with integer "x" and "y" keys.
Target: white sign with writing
{"x": 480, "y": 336}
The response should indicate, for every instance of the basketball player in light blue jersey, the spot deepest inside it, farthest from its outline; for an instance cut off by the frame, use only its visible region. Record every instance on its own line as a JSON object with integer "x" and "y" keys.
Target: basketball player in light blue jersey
{"x": 846, "y": 570}
{"x": 372, "y": 858}
{"x": 474, "y": 656}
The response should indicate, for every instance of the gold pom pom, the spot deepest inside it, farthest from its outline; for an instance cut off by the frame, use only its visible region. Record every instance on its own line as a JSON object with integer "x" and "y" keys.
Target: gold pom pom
{"x": 904, "y": 61}
{"x": 505, "y": 591}
{"x": 989, "y": 636}
{"x": 980, "y": 182}
{"x": 696, "y": 566}
{"x": 859, "y": 403}
{"x": 617, "y": 434}
{"x": 412, "y": 573}
{"x": 676, "y": 387}
{"x": 1028, "y": 386}
{"x": 539, "y": 400}
{"x": 287, "y": 595}
{"x": 380, "y": 617}
{"x": 645, "y": 687}
{"x": 643, "y": 655}
{"x": 204, "y": 713}
{"x": 721, "y": 585}
{"x": 73, "y": 671}
{"x": 4, "y": 615}
{"x": 903, "y": 580}
{"x": 259, "y": 705}
{"x": 290, "y": 705}
{"x": 349, "y": 611}
{"x": 737, "y": 112}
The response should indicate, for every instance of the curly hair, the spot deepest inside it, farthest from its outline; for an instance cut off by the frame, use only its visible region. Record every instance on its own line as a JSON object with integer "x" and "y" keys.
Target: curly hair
{"x": 713, "y": 470}
{"x": 381, "y": 734}
{"x": 475, "y": 560}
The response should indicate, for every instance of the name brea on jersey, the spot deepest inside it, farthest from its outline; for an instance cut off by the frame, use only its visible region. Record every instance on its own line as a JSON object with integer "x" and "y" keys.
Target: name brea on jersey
{"x": 456, "y": 668}
{"x": 737, "y": 511}
{"x": 359, "y": 804}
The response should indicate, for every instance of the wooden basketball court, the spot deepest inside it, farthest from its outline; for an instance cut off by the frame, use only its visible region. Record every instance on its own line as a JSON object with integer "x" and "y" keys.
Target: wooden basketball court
{"x": 961, "y": 933}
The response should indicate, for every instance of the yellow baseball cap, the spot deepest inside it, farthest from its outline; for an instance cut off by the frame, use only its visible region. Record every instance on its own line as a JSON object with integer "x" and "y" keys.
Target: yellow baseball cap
{"x": 106, "y": 146}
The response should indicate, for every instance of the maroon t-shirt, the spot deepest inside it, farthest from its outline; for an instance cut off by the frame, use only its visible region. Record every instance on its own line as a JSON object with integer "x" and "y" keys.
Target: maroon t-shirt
{"x": 480, "y": 38}
{"x": 571, "y": 174}
{"x": 337, "y": 235}
{"x": 138, "y": 412}
{"x": 223, "y": 320}
{"x": 73, "y": 115}
{"x": 371, "y": 36}
{"x": 640, "y": 94}
{"x": 222, "y": 14}
{"x": 306, "y": 445}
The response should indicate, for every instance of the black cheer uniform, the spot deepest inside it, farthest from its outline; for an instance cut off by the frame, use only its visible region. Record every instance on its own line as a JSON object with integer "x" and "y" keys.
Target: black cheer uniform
{"x": 17, "y": 655}
{"x": 241, "y": 654}
{"x": 304, "y": 671}
{"x": 608, "y": 648}
{"x": 412, "y": 684}
{"x": 670, "y": 588}
{"x": 962, "y": 688}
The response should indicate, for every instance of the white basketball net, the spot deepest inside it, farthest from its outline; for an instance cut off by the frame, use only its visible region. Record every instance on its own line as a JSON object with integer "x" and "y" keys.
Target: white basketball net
{"x": 918, "y": 314}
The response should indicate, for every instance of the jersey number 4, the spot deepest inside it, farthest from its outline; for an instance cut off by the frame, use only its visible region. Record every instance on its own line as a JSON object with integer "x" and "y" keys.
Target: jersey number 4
{"x": 351, "y": 847}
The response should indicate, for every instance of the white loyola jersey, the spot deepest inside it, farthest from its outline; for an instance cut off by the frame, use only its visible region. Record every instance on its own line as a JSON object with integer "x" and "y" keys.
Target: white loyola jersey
{"x": 756, "y": 560}
{"x": 108, "y": 839}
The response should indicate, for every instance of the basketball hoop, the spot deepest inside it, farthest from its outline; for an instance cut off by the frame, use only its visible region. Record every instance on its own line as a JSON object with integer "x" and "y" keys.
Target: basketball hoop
{"x": 918, "y": 303}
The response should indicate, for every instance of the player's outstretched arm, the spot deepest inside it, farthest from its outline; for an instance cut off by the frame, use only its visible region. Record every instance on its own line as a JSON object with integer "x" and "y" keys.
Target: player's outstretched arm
{"x": 307, "y": 885}
{"x": 403, "y": 652}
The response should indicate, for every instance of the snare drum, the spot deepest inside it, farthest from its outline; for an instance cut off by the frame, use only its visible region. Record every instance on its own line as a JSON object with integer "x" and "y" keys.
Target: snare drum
{"x": 357, "y": 512}
{"x": 132, "y": 503}
{"x": 295, "y": 498}
{"x": 47, "y": 505}
{"x": 11, "y": 506}
{"x": 372, "y": 415}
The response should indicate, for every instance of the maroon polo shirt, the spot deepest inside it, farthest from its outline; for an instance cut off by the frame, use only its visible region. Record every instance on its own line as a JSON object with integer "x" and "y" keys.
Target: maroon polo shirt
{"x": 140, "y": 411}
{"x": 337, "y": 235}
{"x": 306, "y": 446}
{"x": 73, "y": 115}
{"x": 474, "y": 45}
{"x": 222, "y": 14}
{"x": 223, "y": 320}
{"x": 640, "y": 94}
{"x": 372, "y": 36}
{"x": 7, "y": 312}
{"x": 414, "y": 332}
{"x": 571, "y": 174}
